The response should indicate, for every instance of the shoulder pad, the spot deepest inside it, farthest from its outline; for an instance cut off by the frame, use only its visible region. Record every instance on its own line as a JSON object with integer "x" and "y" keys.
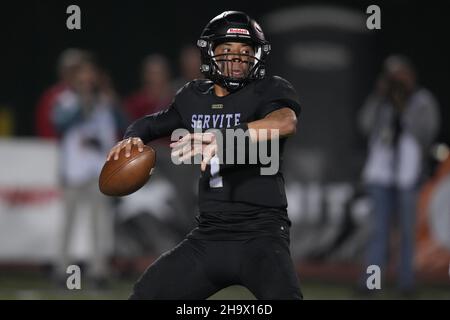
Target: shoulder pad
{"x": 271, "y": 82}
{"x": 197, "y": 85}
{"x": 202, "y": 85}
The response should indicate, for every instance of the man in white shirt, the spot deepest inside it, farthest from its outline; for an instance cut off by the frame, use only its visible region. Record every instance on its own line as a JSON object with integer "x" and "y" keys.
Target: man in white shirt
{"x": 83, "y": 116}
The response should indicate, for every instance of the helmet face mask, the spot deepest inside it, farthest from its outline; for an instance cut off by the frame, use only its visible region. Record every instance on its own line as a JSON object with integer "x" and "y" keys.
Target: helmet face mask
{"x": 233, "y": 69}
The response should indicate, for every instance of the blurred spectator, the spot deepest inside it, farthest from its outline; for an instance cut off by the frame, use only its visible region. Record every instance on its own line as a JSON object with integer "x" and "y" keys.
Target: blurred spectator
{"x": 189, "y": 62}
{"x": 120, "y": 115}
{"x": 156, "y": 91}
{"x": 83, "y": 116}
{"x": 68, "y": 62}
{"x": 401, "y": 120}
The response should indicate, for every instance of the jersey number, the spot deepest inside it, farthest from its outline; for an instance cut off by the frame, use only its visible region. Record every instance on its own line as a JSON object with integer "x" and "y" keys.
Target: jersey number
{"x": 216, "y": 180}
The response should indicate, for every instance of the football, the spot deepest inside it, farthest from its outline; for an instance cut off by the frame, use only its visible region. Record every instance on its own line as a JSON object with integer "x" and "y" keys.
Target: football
{"x": 124, "y": 176}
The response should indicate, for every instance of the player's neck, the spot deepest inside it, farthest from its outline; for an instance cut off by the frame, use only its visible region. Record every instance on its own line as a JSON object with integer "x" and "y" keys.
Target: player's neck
{"x": 220, "y": 91}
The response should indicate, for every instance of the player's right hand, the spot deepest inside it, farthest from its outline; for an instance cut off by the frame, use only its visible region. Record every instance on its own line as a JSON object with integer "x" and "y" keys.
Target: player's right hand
{"x": 125, "y": 144}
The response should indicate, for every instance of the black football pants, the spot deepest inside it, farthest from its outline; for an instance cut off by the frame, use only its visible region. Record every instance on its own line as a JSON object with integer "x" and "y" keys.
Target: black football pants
{"x": 196, "y": 269}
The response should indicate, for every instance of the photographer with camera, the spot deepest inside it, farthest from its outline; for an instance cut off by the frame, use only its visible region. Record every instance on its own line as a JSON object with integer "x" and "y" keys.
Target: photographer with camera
{"x": 401, "y": 120}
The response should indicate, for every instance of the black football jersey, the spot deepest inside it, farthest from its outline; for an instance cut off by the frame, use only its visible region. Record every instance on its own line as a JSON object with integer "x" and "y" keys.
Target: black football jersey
{"x": 232, "y": 197}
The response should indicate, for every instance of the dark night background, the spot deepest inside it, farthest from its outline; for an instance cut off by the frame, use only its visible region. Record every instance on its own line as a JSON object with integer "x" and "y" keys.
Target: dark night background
{"x": 328, "y": 205}
{"x": 33, "y": 33}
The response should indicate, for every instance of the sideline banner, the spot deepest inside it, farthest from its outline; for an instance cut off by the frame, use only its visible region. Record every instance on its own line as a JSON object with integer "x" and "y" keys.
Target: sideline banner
{"x": 31, "y": 213}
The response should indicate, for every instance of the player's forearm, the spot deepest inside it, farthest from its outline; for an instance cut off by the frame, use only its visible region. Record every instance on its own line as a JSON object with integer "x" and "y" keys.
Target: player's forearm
{"x": 282, "y": 122}
{"x": 154, "y": 126}
{"x": 141, "y": 128}
{"x": 276, "y": 125}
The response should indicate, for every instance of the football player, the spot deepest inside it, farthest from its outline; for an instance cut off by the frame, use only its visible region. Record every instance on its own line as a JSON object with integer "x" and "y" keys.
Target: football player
{"x": 242, "y": 237}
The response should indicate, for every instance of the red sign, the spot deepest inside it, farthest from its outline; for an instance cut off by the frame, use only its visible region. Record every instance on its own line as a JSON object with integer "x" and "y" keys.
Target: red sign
{"x": 237, "y": 30}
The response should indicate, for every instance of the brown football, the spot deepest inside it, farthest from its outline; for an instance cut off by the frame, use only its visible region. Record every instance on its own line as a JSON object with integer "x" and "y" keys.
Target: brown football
{"x": 124, "y": 176}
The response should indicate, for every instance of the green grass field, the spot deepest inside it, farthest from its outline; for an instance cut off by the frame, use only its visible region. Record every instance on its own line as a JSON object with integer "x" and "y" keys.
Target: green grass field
{"x": 36, "y": 286}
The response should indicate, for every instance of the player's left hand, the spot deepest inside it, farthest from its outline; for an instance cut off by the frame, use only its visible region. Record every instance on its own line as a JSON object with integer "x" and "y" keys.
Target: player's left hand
{"x": 193, "y": 144}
